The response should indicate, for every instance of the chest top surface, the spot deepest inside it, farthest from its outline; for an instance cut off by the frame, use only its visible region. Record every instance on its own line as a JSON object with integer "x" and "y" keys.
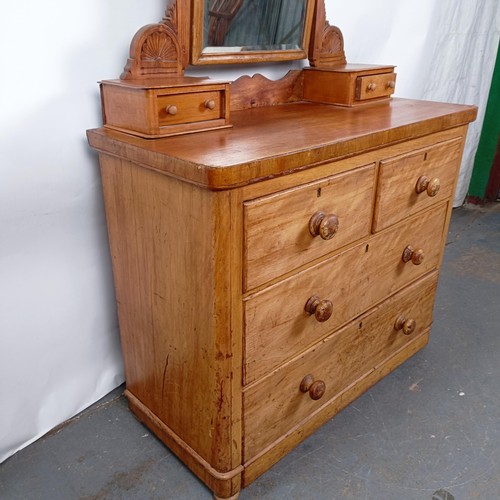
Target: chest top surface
{"x": 269, "y": 141}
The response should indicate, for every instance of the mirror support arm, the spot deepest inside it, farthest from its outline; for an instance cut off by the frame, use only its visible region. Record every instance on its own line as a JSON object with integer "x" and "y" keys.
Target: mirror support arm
{"x": 160, "y": 50}
{"x": 327, "y": 43}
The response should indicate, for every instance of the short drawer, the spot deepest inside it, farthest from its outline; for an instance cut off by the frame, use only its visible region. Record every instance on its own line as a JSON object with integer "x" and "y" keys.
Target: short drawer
{"x": 375, "y": 86}
{"x": 288, "y": 229}
{"x": 281, "y": 320}
{"x": 284, "y": 399}
{"x": 414, "y": 181}
{"x": 188, "y": 108}
{"x": 349, "y": 84}
{"x": 153, "y": 108}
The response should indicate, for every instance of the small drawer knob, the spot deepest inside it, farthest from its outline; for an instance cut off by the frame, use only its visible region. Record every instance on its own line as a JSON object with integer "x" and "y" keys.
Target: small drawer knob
{"x": 408, "y": 325}
{"x": 415, "y": 256}
{"x": 171, "y": 110}
{"x": 371, "y": 87}
{"x": 390, "y": 85}
{"x": 323, "y": 225}
{"x": 210, "y": 104}
{"x": 322, "y": 309}
{"x": 430, "y": 186}
{"x": 315, "y": 388}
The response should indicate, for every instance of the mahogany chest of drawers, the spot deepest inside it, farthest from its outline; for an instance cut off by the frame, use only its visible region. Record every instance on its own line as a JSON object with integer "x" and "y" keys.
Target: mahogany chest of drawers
{"x": 268, "y": 274}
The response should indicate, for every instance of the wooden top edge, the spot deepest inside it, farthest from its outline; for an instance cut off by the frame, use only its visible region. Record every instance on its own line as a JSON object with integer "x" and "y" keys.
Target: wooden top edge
{"x": 267, "y": 142}
{"x": 350, "y": 68}
{"x": 160, "y": 83}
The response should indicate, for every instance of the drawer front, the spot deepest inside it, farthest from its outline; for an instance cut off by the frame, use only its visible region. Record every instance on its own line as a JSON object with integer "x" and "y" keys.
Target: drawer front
{"x": 279, "y": 402}
{"x": 412, "y": 182}
{"x": 373, "y": 86}
{"x": 277, "y": 326}
{"x": 190, "y": 107}
{"x": 288, "y": 229}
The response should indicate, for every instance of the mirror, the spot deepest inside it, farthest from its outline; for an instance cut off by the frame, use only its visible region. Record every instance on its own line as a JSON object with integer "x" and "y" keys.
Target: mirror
{"x": 241, "y": 31}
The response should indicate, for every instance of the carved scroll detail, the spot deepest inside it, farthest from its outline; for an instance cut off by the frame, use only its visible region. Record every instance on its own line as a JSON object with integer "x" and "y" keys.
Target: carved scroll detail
{"x": 170, "y": 14}
{"x": 327, "y": 45}
{"x": 256, "y": 91}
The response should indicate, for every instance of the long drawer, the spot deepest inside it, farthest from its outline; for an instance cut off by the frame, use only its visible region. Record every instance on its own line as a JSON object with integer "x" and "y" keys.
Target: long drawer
{"x": 277, "y": 325}
{"x": 296, "y": 390}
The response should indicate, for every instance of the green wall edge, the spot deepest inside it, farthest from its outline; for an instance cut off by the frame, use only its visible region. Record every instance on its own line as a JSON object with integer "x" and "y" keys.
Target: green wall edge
{"x": 489, "y": 137}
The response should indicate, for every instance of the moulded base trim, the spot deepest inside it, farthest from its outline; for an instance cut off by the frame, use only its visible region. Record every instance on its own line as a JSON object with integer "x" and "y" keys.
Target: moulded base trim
{"x": 225, "y": 485}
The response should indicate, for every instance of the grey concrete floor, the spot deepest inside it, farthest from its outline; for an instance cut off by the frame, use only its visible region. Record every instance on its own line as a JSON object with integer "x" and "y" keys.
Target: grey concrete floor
{"x": 430, "y": 430}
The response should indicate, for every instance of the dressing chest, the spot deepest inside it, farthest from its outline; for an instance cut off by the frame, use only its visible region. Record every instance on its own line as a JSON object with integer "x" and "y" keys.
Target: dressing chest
{"x": 275, "y": 245}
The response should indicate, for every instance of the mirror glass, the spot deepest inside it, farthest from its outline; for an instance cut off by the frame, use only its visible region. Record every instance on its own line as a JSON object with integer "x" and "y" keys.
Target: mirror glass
{"x": 247, "y": 25}
{"x": 250, "y": 30}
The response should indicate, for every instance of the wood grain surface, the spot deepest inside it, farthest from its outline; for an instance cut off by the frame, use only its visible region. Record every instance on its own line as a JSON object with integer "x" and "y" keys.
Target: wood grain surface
{"x": 276, "y": 326}
{"x": 276, "y": 404}
{"x": 397, "y": 196}
{"x": 291, "y": 136}
{"x": 277, "y": 236}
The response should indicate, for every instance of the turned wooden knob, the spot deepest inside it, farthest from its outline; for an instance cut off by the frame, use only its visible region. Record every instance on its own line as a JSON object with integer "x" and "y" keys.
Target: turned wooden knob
{"x": 371, "y": 86}
{"x": 408, "y": 325}
{"x": 431, "y": 186}
{"x": 315, "y": 388}
{"x": 171, "y": 110}
{"x": 390, "y": 85}
{"x": 416, "y": 256}
{"x": 210, "y": 104}
{"x": 323, "y": 225}
{"x": 322, "y": 309}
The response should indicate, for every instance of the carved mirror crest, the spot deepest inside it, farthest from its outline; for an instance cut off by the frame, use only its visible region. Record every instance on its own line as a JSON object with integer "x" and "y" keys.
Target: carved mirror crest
{"x": 231, "y": 32}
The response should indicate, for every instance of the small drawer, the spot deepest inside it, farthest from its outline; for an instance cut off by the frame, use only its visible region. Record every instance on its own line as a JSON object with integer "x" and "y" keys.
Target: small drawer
{"x": 347, "y": 85}
{"x": 285, "y": 318}
{"x": 286, "y": 230}
{"x": 189, "y": 108}
{"x": 414, "y": 181}
{"x": 375, "y": 86}
{"x": 161, "y": 108}
{"x": 296, "y": 390}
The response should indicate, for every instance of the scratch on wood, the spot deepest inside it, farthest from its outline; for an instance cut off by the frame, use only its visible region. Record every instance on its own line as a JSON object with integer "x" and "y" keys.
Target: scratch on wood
{"x": 164, "y": 375}
{"x": 221, "y": 397}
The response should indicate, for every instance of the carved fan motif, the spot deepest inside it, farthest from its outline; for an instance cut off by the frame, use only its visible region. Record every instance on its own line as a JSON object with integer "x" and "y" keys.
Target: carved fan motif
{"x": 158, "y": 47}
{"x": 332, "y": 49}
{"x": 161, "y": 49}
{"x": 154, "y": 52}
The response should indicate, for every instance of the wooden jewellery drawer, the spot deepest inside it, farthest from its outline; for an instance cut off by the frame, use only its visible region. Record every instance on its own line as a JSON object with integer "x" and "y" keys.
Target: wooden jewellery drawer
{"x": 291, "y": 315}
{"x": 350, "y": 84}
{"x": 151, "y": 111}
{"x": 297, "y": 390}
{"x": 375, "y": 86}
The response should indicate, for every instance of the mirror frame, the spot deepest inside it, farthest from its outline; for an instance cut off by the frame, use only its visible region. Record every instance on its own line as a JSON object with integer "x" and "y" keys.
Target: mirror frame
{"x": 243, "y": 57}
{"x": 163, "y": 50}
